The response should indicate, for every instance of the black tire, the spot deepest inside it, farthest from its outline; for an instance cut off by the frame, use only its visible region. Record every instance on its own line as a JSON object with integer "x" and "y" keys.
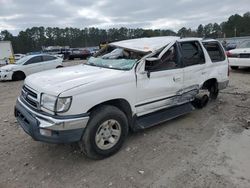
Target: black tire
{"x": 60, "y": 66}
{"x": 200, "y": 101}
{"x": 18, "y": 76}
{"x": 234, "y": 67}
{"x": 99, "y": 116}
{"x": 213, "y": 91}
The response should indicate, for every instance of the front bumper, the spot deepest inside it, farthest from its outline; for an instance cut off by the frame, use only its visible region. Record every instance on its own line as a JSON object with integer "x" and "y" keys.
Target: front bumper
{"x": 58, "y": 129}
{"x": 5, "y": 75}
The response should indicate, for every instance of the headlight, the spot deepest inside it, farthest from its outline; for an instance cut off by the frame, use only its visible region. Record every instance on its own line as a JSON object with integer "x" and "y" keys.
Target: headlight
{"x": 63, "y": 104}
{"x": 55, "y": 104}
{"x": 48, "y": 102}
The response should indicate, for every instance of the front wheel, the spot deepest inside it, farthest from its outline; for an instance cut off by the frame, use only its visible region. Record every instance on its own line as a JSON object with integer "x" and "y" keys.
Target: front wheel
{"x": 18, "y": 76}
{"x": 105, "y": 133}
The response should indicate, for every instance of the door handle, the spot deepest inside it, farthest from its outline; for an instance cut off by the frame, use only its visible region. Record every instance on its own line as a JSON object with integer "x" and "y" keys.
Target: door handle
{"x": 177, "y": 79}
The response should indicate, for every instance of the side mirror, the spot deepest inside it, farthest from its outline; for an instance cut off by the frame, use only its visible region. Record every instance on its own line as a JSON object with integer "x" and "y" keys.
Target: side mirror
{"x": 152, "y": 59}
{"x": 151, "y": 62}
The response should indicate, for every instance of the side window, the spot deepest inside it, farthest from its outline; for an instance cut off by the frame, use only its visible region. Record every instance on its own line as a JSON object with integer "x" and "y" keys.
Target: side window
{"x": 215, "y": 51}
{"x": 48, "y": 58}
{"x": 166, "y": 62}
{"x": 33, "y": 60}
{"x": 192, "y": 53}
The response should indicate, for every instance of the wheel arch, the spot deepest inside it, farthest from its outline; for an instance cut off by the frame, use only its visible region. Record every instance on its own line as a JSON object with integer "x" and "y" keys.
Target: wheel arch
{"x": 19, "y": 72}
{"x": 207, "y": 84}
{"x": 122, "y": 104}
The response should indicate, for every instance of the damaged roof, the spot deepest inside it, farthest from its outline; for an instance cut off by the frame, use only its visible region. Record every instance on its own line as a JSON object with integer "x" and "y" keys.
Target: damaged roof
{"x": 145, "y": 44}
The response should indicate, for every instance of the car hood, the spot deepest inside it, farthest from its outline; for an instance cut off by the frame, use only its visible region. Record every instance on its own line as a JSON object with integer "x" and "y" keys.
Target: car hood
{"x": 57, "y": 81}
{"x": 240, "y": 50}
{"x": 8, "y": 67}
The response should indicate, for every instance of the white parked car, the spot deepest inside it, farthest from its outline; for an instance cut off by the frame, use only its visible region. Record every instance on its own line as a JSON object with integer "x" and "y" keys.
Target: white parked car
{"x": 19, "y": 56}
{"x": 240, "y": 57}
{"x": 29, "y": 65}
{"x": 129, "y": 85}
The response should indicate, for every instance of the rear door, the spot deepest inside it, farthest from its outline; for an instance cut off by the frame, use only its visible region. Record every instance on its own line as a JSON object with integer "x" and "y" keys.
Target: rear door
{"x": 33, "y": 65}
{"x": 195, "y": 71}
{"x": 50, "y": 62}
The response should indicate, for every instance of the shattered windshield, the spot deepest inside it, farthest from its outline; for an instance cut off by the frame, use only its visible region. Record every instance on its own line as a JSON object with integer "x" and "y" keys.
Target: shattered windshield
{"x": 115, "y": 58}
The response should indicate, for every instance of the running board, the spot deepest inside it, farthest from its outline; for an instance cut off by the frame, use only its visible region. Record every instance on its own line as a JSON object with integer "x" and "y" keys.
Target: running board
{"x": 162, "y": 116}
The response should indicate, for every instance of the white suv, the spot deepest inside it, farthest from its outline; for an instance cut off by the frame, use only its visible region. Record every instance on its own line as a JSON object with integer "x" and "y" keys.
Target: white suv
{"x": 129, "y": 85}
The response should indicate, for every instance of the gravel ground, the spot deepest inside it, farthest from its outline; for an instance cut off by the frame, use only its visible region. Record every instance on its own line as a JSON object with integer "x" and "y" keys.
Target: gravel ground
{"x": 206, "y": 148}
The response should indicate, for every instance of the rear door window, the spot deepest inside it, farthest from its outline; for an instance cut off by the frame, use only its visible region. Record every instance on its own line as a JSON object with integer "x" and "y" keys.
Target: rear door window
{"x": 192, "y": 53}
{"x": 48, "y": 58}
{"x": 215, "y": 51}
{"x": 33, "y": 60}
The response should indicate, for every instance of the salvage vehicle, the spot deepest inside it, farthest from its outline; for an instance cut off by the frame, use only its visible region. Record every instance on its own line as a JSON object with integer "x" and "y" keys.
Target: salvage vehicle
{"x": 240, "y": 57}
{"x": 128, "y": 85}
{"x": 28, "y": 65}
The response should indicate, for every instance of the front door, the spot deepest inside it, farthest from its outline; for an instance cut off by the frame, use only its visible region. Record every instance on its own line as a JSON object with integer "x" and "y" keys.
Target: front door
{"x": 162, "y": 85}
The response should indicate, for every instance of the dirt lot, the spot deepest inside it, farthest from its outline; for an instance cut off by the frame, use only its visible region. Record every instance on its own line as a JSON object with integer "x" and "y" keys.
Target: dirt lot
{"x": 206, "y": 148}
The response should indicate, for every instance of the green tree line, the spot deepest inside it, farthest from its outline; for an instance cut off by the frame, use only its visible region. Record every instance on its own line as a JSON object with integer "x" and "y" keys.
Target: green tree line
{"x": 32, "y": 39}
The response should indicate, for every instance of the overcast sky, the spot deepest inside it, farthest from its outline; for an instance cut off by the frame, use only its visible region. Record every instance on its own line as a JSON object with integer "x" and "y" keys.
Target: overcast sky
{"x": 16, "y": 15}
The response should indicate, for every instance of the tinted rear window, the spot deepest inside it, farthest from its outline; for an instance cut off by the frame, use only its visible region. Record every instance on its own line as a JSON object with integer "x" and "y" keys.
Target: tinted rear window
{"x": 48, "y": 58}
{"x": 215, "y": 51}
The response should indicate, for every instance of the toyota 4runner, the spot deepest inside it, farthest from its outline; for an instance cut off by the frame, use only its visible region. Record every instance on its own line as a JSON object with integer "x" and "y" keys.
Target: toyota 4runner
{"x": 128, "y": 85}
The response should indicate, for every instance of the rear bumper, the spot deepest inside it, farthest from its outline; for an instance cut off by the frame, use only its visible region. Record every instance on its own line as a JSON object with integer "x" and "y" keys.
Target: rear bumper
{"x": 50, "y": 129}
{"x": 223, "y": 85}
{"x": 239, "y": 62}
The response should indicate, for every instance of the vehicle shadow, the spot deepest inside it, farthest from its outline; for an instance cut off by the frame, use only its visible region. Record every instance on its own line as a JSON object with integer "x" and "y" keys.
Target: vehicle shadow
{"x": 241, "y": 70}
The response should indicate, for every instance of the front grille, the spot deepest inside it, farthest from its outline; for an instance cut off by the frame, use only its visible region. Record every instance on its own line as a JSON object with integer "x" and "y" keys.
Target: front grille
{"x": 32, "y": 93}
{"x": 22, "y": 118}
{"x": 30, "y": 97}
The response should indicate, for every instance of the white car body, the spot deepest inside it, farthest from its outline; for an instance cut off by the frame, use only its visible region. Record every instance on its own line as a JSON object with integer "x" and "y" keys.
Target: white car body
{"x": 240, "y": 57}
{"x": 142, "y": 91}
{"x": 29, "y": 65}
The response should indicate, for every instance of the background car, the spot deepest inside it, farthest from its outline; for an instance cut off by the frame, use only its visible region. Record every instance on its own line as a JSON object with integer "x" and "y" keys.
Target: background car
{"x": 240, "y": 57}
{"x": 19, "y": 56}
{"x": 28, "y": 65}
{"x": 78, "y": 53}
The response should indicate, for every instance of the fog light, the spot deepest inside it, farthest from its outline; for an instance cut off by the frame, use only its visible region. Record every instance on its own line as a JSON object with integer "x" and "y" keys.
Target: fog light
{"x": 45, "y": 132}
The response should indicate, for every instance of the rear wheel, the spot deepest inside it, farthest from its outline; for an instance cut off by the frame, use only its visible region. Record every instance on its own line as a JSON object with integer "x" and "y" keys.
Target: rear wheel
{"x": 105, "y": 133}
{"x": 60, "y": 66}
{"x": 18, "y": 76}
{"x": 234, "y": 67}
{"x": 213, "y": 91}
